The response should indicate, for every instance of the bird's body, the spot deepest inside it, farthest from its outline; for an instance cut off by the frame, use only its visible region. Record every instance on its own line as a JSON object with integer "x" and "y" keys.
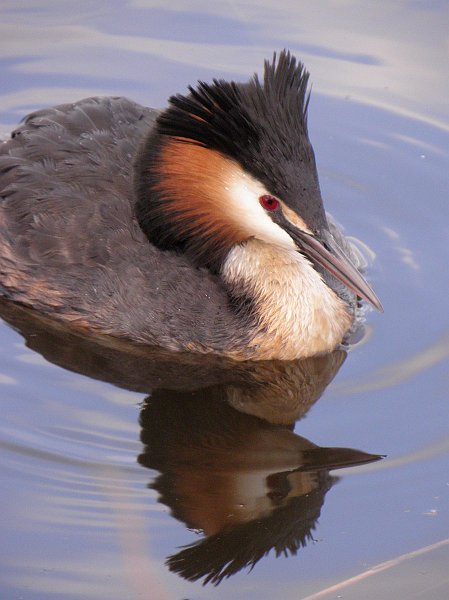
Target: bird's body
{"x": 159, "y": 227}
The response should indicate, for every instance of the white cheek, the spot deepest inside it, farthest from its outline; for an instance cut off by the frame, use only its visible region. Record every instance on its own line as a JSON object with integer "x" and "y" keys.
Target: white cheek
{"x": 244, "y": 192}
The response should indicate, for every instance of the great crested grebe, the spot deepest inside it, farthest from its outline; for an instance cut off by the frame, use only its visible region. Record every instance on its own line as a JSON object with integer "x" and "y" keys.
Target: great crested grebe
{"x": 198, "y": 228}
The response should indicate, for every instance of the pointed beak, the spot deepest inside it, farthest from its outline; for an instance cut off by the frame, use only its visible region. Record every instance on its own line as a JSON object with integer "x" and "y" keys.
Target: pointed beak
{"x": 336, "y": 263}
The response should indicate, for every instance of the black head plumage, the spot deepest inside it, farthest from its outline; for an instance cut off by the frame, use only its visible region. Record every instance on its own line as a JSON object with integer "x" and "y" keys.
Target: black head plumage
{"x": 262, "y": 125}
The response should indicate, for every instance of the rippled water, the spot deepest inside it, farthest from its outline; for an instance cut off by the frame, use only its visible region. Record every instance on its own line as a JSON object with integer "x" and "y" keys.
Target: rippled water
{"x": 112, "y": 461}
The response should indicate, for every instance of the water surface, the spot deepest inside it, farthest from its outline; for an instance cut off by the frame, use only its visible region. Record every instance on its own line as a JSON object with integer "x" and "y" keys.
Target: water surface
{"x": 112, "y": 461}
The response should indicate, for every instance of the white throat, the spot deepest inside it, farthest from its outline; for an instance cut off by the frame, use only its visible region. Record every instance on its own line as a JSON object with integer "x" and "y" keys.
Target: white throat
{"x": 298, "y": 314}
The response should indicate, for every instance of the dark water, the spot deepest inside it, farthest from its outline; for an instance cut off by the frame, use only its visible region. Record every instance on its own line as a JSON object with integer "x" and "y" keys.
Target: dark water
{"x": 111, "y": 461}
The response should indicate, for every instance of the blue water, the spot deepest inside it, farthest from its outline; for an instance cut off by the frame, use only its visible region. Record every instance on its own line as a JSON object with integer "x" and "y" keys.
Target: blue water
{"x": 78, "y": 518}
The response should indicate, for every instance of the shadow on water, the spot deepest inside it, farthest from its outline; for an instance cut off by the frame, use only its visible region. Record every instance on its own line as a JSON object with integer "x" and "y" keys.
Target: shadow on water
{"x": 221, "y": 436}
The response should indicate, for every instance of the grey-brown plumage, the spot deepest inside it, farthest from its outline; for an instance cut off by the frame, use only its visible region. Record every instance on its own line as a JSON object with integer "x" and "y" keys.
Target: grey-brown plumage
{"x": 70, "y": 242}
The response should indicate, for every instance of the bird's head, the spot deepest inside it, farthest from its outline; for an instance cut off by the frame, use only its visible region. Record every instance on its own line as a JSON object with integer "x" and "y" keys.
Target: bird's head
{"x": 232, "y": 162}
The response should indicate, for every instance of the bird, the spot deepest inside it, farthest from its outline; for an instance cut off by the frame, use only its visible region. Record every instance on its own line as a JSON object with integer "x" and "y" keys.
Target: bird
{"x": 197, "y": 228}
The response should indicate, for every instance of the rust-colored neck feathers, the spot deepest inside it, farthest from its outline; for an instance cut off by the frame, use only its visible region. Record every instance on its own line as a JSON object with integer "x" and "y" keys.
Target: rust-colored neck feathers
{"x": 193, "y": 186}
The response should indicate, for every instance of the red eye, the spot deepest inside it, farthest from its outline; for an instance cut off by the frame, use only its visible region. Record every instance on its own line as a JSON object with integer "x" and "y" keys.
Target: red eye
{"x": 269, "y": 202}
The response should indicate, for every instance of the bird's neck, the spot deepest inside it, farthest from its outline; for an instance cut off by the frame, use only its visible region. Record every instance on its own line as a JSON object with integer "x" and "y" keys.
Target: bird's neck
{"x": 297, "y": 314}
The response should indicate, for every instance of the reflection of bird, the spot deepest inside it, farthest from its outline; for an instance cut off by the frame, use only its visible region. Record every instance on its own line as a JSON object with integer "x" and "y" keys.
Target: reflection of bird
{"x": 250, "y": 486}
{"x": 198, "y": 228}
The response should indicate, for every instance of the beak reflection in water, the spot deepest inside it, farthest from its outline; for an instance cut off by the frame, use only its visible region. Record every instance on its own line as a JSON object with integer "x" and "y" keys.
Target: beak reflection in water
{"x": 251, "y": 486}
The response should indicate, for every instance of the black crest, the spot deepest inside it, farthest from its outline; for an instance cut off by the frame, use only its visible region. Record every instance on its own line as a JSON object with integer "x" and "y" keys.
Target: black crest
{"x": 262, "y": 125}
